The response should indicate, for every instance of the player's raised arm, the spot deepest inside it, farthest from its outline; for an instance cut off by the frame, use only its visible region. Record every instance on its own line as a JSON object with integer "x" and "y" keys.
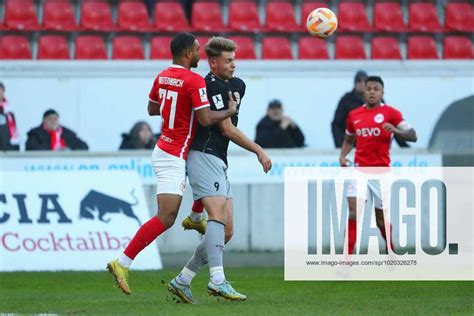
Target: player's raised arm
{"x": 207, "y": 117}
{"x": 238, "y": 137}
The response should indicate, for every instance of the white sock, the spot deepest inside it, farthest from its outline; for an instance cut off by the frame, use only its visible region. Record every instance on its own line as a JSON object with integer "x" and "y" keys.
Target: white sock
{"x": 217, "y": 275}
{"x": 125, "y": 261}
{"x": 185, "y": 276}
{"x": 195, "y": 217}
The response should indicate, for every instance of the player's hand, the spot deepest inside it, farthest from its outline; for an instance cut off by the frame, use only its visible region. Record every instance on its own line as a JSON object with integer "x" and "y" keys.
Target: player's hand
{"x": 389, "y": 127}
{"x": 231, "y": 104}
{"x": 265, "y": 160}
{"x": 344, "y": 162}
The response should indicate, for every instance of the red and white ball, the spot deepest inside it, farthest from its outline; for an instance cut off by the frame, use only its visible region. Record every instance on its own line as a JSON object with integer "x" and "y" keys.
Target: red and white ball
{"x": 321, "y": 23}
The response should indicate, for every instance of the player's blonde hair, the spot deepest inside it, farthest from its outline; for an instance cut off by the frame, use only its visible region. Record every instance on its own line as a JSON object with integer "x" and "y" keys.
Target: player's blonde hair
{"x": 217, "y": 44}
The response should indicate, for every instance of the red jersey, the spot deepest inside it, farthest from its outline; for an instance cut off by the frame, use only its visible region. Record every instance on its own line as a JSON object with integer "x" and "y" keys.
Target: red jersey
{"x": 372, "y": 141}
{"x": 179, "y": 92}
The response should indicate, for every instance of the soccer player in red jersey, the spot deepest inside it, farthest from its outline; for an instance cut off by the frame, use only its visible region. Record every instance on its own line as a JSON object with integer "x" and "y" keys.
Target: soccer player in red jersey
{"x": 372, "y": 126}
{"x": 179, "y": 96}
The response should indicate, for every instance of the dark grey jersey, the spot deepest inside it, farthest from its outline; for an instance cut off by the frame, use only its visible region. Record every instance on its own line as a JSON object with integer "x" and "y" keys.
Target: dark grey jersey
{"x": 210, "y": 139}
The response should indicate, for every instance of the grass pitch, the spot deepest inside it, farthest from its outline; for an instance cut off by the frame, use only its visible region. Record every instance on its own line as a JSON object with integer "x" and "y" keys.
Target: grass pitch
{"x": 95, "y": 293}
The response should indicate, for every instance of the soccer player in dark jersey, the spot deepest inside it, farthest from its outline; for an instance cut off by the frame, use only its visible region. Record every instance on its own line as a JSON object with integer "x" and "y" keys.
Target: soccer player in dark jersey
{"x": 372, "y": 126}
{"x": 179, "y": 96}
{"x": 207, "y": 173}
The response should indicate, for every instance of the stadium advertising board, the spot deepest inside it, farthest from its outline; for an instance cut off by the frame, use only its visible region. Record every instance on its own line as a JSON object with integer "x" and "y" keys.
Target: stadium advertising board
{"x": 427, "y": 221}
{"x": 70, "y": 220}
{"x": 243, "y": 168}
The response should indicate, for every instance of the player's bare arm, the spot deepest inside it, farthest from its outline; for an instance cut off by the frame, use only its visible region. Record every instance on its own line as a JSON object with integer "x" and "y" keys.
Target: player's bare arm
{"x": 238, "y": 137}
{"x": 153, "y": 108}
{"x": 206, "y": 117}
{"x": 403, "y": 131}
{"x": 345, "y": 150}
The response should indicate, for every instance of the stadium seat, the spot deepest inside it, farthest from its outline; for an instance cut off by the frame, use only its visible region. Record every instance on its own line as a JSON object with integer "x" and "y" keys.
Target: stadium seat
{"x": 307, "y": 8}
{"x": 423, "y": 17}
{"x": 21, "y": 15}
{"x": 280, "y": 17}
{"x": 312, "y": 48}
{"x": 97, "y": 16}
{"x": 386, "y": 48}
{"x": 243, "y": 17}
{"x": 160, "y": 47}
{"x": 53, "y": 47}
{"x": 207, "y": 17}
{"x": 245, "y": 47}
{"x": 127, "y": 47}
{"x": 170, "y": 17}
{"x": 422, "y": 47}
{"x": 459, "y": 17}
{"x": 276, "y": 48}
{"x": 388, "y": 17}
{"x": 202, "y": 42}
{"x": 90, "y": 47}
{"x": 352, "y": 17}
{"x": 14, "y": 47}
{"x": 350, "y": 47}
{"x": 457, "y": 47}
{"x": 59, "y": 15}
{"x": 133, "y": 16}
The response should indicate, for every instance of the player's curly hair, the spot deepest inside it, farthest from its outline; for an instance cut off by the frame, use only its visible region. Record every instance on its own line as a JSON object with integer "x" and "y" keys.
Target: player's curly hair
{"x": 217, "y": 44}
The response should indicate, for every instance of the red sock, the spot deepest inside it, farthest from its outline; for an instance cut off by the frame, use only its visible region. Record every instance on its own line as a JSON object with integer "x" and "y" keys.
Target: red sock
{"x": 197, "y": 207}
{"x": 352, "y": 235}
{"x": 144, "y": 236}
{"x": 384, "y": 235}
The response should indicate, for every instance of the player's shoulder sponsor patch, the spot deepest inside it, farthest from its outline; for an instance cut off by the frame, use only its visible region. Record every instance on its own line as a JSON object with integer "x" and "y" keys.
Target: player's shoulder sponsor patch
{"x": 218, "y": 101}
{"x": 203, "y": 94}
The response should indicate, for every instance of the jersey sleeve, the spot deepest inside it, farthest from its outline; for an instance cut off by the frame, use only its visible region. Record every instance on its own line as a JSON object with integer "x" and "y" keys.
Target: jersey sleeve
{"x": 396, "y": 117}
{"x": 243, "y": 89}
{"x": 217, "y": 98}
{"x": 153, "y": 95}
{"x": 198, "y": 92}
{"x": 349, "y": 125}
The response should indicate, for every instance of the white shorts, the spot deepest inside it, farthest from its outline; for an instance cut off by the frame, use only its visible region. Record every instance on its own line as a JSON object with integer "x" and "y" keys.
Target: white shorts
{"x": 170, "y": 172}
{"x": 373, "y": 191}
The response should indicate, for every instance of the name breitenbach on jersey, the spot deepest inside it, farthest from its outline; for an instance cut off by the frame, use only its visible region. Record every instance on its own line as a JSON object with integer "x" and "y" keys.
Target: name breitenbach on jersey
{"x": 210, "y": 139}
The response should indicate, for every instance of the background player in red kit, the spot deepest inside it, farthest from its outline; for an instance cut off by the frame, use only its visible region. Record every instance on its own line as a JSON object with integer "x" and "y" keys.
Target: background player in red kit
{"x": 372, "y": 126}
{"x": 179, "y": 96}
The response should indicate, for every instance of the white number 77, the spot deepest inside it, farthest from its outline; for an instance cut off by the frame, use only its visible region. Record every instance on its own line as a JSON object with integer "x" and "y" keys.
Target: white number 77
{"x": 167, "y": 95}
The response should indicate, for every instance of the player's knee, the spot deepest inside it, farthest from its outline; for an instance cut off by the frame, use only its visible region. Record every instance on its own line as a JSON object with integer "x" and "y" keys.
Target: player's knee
{"x": 168, "y": 220}
{"x": 352, "y": 214}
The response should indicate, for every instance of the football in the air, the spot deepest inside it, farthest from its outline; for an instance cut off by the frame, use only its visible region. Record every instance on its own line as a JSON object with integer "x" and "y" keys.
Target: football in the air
{"x": 321, "y": 23}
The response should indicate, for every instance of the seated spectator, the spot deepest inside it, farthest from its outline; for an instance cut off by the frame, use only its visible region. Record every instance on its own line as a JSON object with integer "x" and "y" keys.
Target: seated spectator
{"x": 139, "y": 137}
{"x": 50, "y": 135}
{"x": 9, "y": 136}
{"x": 278, "y": 131}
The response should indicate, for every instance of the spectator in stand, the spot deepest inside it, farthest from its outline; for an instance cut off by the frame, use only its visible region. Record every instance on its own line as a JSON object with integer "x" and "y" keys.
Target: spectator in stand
{"x": 50, "y": 135}
{"x": 349, "y": 102}
{"x": 276, "y": 130}
{"x": 9, "y": 136}
{"x": 139, "y": 137}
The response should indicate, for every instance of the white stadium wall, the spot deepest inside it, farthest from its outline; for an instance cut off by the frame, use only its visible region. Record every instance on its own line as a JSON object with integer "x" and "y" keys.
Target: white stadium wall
{"x": 101, "y": 100}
